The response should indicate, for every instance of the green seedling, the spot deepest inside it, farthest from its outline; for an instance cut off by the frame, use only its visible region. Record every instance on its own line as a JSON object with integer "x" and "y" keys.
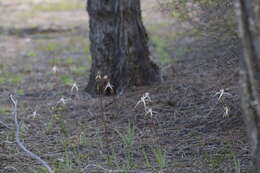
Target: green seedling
{"x": 128, "y": 142}
{"x": 160, "y": 157}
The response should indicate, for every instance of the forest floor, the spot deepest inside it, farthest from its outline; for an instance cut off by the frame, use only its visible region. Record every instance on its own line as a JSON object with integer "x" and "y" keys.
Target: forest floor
{"x": 194, "y": 128}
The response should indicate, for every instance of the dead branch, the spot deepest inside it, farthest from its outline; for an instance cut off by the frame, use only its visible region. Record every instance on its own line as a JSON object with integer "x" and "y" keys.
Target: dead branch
{"x": 5, "y": 125}
{"x": 18, "y": 141}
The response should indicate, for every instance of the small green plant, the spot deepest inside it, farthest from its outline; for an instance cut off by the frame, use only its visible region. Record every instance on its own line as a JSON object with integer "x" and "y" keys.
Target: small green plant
{"x": 83, "y": 139}
{"x": 70, "y": 159}
{"x": 42, "y": 170}
{"x": 67, "y": 80}
{"x": 52, "y": 46}
{"x": 112, "y": 160}
{"x": 31, "y": 54}
{"x": 147, "y": 160}
{"x": 128, "y": 142}
{"x": 65, "y": 164}
{"x": 237, "y": 164}
{"x": 49, "y": 127}
{"x": 159, "y": 155}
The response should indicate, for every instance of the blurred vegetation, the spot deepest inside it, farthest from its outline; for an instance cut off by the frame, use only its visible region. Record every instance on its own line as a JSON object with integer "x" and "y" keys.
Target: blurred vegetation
{"x": 59, "y": 6}
{"x": 213, "y": 18}
{"x": 10, "y": 78}
{"x": 67, "y": 80}
{"x": 161, "y": 50}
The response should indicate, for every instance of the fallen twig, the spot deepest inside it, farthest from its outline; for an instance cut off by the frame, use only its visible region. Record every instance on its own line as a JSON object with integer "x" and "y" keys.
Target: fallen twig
{"x": 5, "y": 125}
{"x": 18, "y": 141}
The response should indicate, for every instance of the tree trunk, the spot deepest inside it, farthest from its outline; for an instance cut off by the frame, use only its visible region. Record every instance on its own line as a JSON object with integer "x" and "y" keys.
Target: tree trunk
{"x": 119, "y": 45}
{"x": 248, "y": 12}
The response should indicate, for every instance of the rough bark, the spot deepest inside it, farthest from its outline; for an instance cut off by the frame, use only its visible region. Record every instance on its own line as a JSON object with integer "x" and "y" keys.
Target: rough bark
{"x": 248, "y": 13}
{"x": 119, "y": 45}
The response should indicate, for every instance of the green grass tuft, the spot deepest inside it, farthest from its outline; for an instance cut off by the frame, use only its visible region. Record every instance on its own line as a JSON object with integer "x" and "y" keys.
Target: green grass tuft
{"x": 67, "y": 80}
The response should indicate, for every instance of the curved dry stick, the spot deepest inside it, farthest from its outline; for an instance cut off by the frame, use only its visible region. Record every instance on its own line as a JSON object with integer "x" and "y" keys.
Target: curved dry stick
{"x": 18, "y": 141}
{"x": 5, "y": 125}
